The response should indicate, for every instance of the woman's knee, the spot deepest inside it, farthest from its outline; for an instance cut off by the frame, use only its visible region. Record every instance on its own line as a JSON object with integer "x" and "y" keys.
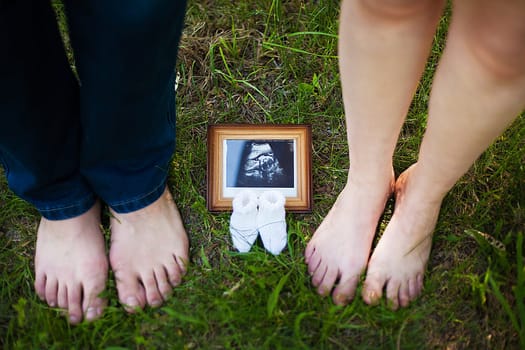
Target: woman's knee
{"x": 495, "y": 33}
{"x": 504, "y": 56}
{"x": 394, "y": 10}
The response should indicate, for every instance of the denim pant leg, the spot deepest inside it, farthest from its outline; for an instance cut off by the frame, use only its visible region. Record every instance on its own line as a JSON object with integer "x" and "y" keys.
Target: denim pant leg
{"x": 39, "y": 112}
{"x": 125, "y": 55}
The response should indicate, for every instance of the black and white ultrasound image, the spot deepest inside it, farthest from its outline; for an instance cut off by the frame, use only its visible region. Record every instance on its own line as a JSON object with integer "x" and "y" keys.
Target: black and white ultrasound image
{"x": 265, "y": 163}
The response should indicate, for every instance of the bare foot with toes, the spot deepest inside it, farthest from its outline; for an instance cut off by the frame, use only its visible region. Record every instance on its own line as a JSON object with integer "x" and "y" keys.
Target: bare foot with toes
{"x": 149, "y": 253}
{"x": 71, "y": 267}
{"x": 399, "y": 260}
{"x": 339, "y": 250}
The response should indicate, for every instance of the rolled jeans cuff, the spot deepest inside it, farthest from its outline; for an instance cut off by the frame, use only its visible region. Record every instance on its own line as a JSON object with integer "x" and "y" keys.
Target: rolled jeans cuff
{"x": 140, "y": 201}
{"x": 68, "y": 211}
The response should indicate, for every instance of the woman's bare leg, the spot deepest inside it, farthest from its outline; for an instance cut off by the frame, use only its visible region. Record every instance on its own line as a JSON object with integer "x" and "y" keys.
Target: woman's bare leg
{"x": 383, "y": 47}
{"x": 478, "y": 90}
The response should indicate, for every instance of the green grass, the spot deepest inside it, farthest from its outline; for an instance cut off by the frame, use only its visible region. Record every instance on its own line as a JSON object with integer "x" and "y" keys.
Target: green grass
{"x": 274, "y": 62}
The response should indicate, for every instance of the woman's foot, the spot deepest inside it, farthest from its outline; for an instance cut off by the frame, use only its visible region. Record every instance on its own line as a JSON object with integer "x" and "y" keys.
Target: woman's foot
{"x": 339, "y": 250}
{"x": 71, "y": 267}
{"x": 149, "y": 253}
{"x": 399, "y": 260}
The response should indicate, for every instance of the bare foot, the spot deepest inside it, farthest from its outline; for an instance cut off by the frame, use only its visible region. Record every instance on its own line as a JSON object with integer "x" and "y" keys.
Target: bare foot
{"x": 340, "y": 247}
{"x": 399, "y": 259}
{"x": 149, "y": 253}
{"x": 71, "y": 265}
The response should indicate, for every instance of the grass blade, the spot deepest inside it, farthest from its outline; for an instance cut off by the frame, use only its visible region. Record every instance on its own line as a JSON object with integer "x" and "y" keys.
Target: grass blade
{"x": 504, "y": 303}
{"x": 270, "y": 45}
{"x": 519, "y": 290}
{"x": 185, "y": 318}
{"x": 274, "y": 297}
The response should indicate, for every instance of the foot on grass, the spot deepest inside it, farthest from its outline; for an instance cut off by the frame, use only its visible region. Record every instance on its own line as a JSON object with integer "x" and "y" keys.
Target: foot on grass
{"x": 339, "y": 250}
{"x": 149, "y": 253}
{"x": 71, "y": 266}
{"x": 399, "y": 260}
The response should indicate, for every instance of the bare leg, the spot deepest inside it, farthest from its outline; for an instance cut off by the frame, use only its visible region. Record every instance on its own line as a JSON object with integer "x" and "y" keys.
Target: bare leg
{"x": 383, "y": 47}
{"x": 478, "y": 90}
{"x": 71, "y": 265}
{"x": 149, "y": 253}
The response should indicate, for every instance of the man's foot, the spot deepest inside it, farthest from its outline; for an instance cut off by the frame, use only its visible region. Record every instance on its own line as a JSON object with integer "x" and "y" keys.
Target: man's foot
{"x": 399, "y": 259}
{"x": 149, "y": 253}
{"x": 340, "y": 247}
{"x": 71, "y": 267}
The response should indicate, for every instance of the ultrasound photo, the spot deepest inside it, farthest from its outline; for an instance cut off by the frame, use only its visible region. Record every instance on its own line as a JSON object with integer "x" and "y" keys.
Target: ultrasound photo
{"x": 260, "y": 163}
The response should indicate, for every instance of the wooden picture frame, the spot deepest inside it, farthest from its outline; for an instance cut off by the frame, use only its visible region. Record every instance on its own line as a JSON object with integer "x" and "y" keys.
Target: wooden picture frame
{"x": 259, "y": 158}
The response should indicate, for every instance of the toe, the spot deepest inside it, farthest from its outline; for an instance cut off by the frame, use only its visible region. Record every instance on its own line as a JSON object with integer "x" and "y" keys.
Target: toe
{"x": 163, "y": 283}
{"x": 392, "y": 293}
{"x": 327, "y": 284}
{"x": 419, "y": 284}
{"x": 413, "y": 290}
{"x": 131, "y": 293}
{"x": 74, "y": 300}
{"x": 174, "y": 273}
{"x": 93, "y": 305}
{"x": 404, "y": 294}
{"x": 373, "y": 288}
{"x": 40, "y": 285}
{"x": 183, "y": 263}
{"x": 153, "y": 295}
{"x": 310, "y": 248}
{"x": 51, "y": 291}
{"x": 62, "y": 296}
{"x": 313, "y": 264}
{"x": 318, "y": 275}
{"x": 95, "y": 309}
{"x": 345, "y": 290}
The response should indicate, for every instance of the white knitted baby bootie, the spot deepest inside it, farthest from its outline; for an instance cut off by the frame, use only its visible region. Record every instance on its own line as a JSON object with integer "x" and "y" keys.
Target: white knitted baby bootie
{"x": 243, "y": 227}
{"x": 271, "y": 221}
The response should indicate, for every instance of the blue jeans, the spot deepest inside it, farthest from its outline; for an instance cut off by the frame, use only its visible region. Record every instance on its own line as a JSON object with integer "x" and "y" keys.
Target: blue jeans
{"x": 111, "y": 134}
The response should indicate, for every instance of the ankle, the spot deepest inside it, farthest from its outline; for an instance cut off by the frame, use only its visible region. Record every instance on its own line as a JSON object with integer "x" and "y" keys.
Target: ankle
{"x": 422, "y": 187}
{"x": 379, "y": 178}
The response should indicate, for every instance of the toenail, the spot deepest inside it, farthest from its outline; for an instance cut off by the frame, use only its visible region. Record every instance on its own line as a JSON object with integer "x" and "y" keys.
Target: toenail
{"x": 156, "y": 303}
{"x": 74, "y": 319}
{"x": 392, "y": 305}
{"x": 52, "y": 303}
{"x": 132, "y": 302}
{"x": 91, "y": 313}
{"x": 340, "y": 299}
{"x": 372, "y": 298}
{"x": 175, "y": 282}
